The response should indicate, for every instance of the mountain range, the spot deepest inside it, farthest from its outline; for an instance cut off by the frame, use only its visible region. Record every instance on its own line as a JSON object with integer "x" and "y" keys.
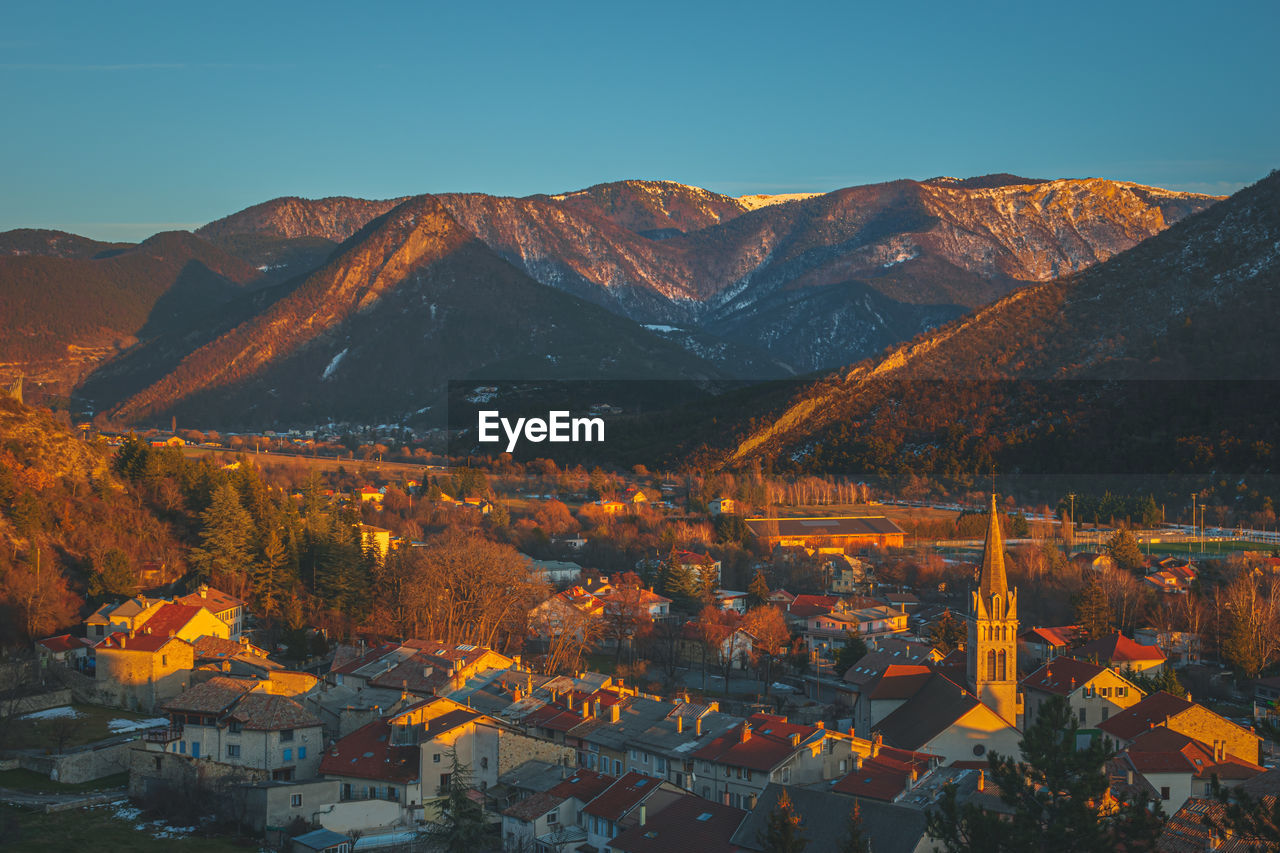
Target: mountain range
{"x": 297, "y": 311}
{"x": 1159, "y": 360}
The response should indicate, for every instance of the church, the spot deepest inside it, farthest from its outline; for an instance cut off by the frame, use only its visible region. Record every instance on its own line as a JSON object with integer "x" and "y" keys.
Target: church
{"x": 961, "y": 717}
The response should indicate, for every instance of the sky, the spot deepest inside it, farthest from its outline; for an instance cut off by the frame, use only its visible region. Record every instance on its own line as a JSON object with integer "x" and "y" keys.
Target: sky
{"x": 124, "y": 119}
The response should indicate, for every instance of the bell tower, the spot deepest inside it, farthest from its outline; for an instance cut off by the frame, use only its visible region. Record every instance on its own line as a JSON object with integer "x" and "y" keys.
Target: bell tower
{"x": 993, "y": 630}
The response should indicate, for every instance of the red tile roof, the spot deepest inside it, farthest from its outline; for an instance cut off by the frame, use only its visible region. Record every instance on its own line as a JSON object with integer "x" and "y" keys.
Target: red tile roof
{"x": 1062, "y": 636}
{"x": 63, "y": 643}
{"x": 900, "y": 681}
{"x": 1161, "y": 750}
{"x": 149, "y": 643}
{"x": 367, "y": 754}
{"x": 807, "y": 606}
{"x": 169, "y": 620}
{"x": 211, "y": 697}
{"x": 214, "y": 600}
{"x": 1117, "y": 649}
{"x": 761, "y": 743}
{"x": 885, "y": 776}
{"x": 583, "y": 785}
{"x": 622, "y": 796}
{"x": 690, "y": 823}
{"x": 1147, "y": 714}
{"x": 1062, "y": 676}
{"x": 265, "y": 712}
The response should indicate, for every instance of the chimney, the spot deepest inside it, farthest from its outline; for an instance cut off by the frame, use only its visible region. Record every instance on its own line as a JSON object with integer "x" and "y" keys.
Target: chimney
{"x": 857, "y": 761}
{"x": 516, "y": 695}
{"x": 427, "y": 670}
{"x": 644, "y": 814}
{"x": 982, "y": 779}
{"x": 751, "y": 802}
{"x": 725, "y": 798}
{"x": 586, "y": 710}
{"x": 123, "y": 638}
{"x": 876, "y": 740}
{"x": 1128, "y": 777}
{"x": 204, "y": 590}
{"x": 795, "y": 738}
{"x": 821, "y": 724}
{"x": 595, "y": 708}
{"x": 1219, "y": 751}
{"x": 679, "y": 724}
{"x": 744, "y": 733}
{"x": 568, "y": 700}
{"x": 697, "y": 726}
{"x": 613, "y": 713}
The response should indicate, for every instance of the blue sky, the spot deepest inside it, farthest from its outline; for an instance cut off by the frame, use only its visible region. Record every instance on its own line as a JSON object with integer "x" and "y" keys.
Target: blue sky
{"x": 126, "y": 119}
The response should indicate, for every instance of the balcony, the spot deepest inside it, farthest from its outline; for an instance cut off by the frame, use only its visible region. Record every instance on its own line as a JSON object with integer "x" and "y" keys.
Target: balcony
{"x": 162, "y": 735}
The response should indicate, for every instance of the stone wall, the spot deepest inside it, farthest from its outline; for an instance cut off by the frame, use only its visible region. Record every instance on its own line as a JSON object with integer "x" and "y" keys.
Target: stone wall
{"x": 82, "y": 765}
{"x": 515, "y": 749}
{"x": 43, "y": 701}
{"x": 152, "y": 769}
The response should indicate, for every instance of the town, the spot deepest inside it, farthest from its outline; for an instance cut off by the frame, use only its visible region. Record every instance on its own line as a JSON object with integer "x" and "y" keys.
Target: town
{"x": 526, "y": 657}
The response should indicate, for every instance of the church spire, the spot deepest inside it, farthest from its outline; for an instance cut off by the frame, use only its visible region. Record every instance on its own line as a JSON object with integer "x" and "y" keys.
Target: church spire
{"x": 992, "y": 580}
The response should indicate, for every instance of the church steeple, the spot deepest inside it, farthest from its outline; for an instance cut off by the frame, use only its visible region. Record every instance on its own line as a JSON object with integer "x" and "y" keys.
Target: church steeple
{"x": 992, "y": 581}
{"x": 993, "y": 629}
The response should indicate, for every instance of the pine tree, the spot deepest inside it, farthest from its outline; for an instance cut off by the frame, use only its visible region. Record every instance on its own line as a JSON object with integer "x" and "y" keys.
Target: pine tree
{"x": 224, "y": 541}
{"x": 854, "y": 841}
{"x": 758, "y": 592}
{"x": 112, "y": 574}
{"x": 948, "y": 633}
{"x": 782, "y": 833}
{"x": 461, "y": 826}
{"x": 1056, "y": 796}
{"x": 1093, "y": 609}
{"x": 1123, "y": 548}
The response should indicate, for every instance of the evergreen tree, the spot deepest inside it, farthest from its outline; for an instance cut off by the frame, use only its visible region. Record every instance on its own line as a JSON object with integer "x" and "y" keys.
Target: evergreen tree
{"x": 1093, "y": 609}
{"x": 461, "y": 826}
{"x": 1122, "y": 546}
{"x": 854, "y": 841}
{"x": 758, "y": 592}
{"x": 855, "y": 649}
{"x": 224, "y": 539}
{"x": 112, "y": 574}
{"x": 782, "y": 833}
{"x": 948, "y": 633}
{"x": 1057, "y": 796}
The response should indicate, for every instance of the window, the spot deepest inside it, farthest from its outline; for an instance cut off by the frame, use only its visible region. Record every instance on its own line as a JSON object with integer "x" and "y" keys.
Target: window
{"x": 288, "y": 755}
{"x": 392, "y": 794}
{"x": 484, "y": 762}
{"x": 295, "y": 801}
{"x": 182, "y": 747}
{"x": 233, "y": 750}
{"x": 435, "y": 758}
{"x": 286, "y": 735}
{"x": 617, "y": 767}
{"x": 1164, "y": 793}
{"x": 373, "y": 792}
{"x": 553, "y": 817}
{"x": 235, "y": 727}
{"x": 97, "y": 630}
{"x": 1082, "y": 714}
{"x": 164, "y": 660}
{"x": 302, "y": 752}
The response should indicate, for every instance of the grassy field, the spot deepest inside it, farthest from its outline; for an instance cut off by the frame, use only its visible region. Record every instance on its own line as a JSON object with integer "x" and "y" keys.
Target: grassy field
{"x": 97, "y": 829}
{"x": 89, "y": 726}
{"x": 29, "y": 780}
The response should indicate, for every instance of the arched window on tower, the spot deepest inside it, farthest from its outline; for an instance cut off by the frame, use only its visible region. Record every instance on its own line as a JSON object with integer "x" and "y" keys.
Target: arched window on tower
{"x": 1000, "y": 669}
{"x": 991, "y": 665}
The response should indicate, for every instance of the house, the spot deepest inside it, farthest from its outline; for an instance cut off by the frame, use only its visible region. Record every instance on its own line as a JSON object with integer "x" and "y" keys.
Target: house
{"x": 1184, "y": 717}
{"x": 1181, "y": 648}
{"x": 569, "y": 611}
{"x": 392, "y": 769}
{"x": 700, "y": 564}
{"x": 221, "y": 604}
{"x": 1037, "y": 646}
{"x": 141, "y": 671}
{"x": 882, "y": 653}
{"x": 555, "y": 572}
{"x": 236, "y": 722}
{"x": 1172, "y": 578}
{"x": 612, "y": 507}
{"x": 637, "y": 497}
{"x": 1093, "y": 691}
{"x": 553, "y": 820}
{"x": 1119, "y": 652}
{"x": 824, "y": 817}
{"x": 125, "y": 616}
{"x": 722, "y": 506}
{"x": 621, "y": 806}
{"x": 233, "y": 658}
{"x": 1266, "y": 699}
{"x": 687, "y": 823}
{"x": 577, "y": 541}
{"x": 886, "y": 693}
{"x": 943, "y": 719}
{"x": 845, "y": 532}
{"x": 1178, "y": 767}
{"x": 269, "y": 808}
{"x": 1193, "y": 827}
{"x": 886, "y": 774}
{"x": 829, "y": 631}
{"x": 370, "y": 495}
{"x": 736, "y": 766}
{"x": 731, "y": 599}
{"x": 168, "y": 440}
{"x": 185, "y": 621}
{"x": 63, "y": 649}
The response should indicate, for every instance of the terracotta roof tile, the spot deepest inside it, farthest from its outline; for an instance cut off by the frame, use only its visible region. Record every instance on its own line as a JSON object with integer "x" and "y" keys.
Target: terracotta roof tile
{"x": 211, "y": 697}
{"x": 622, "y": 796}
{"x": 367, "y": 754}
{"x": 1062, "y": 676}
{"x": 690, "y": 823}
{"x": 1147, "y": 714}
{"x": 583, "y": 785}
{"x": 531, "y": 808}
{"x": 265, "y": 712}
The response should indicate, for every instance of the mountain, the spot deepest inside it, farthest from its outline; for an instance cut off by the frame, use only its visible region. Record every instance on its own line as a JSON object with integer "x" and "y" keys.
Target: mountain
{"x": 1160, "y": 359}
{"x": 816, "y": 281}
{"x": 408, "y": 303}
{"x": 53, "y": 244}
{"x": 78, "y": 302}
